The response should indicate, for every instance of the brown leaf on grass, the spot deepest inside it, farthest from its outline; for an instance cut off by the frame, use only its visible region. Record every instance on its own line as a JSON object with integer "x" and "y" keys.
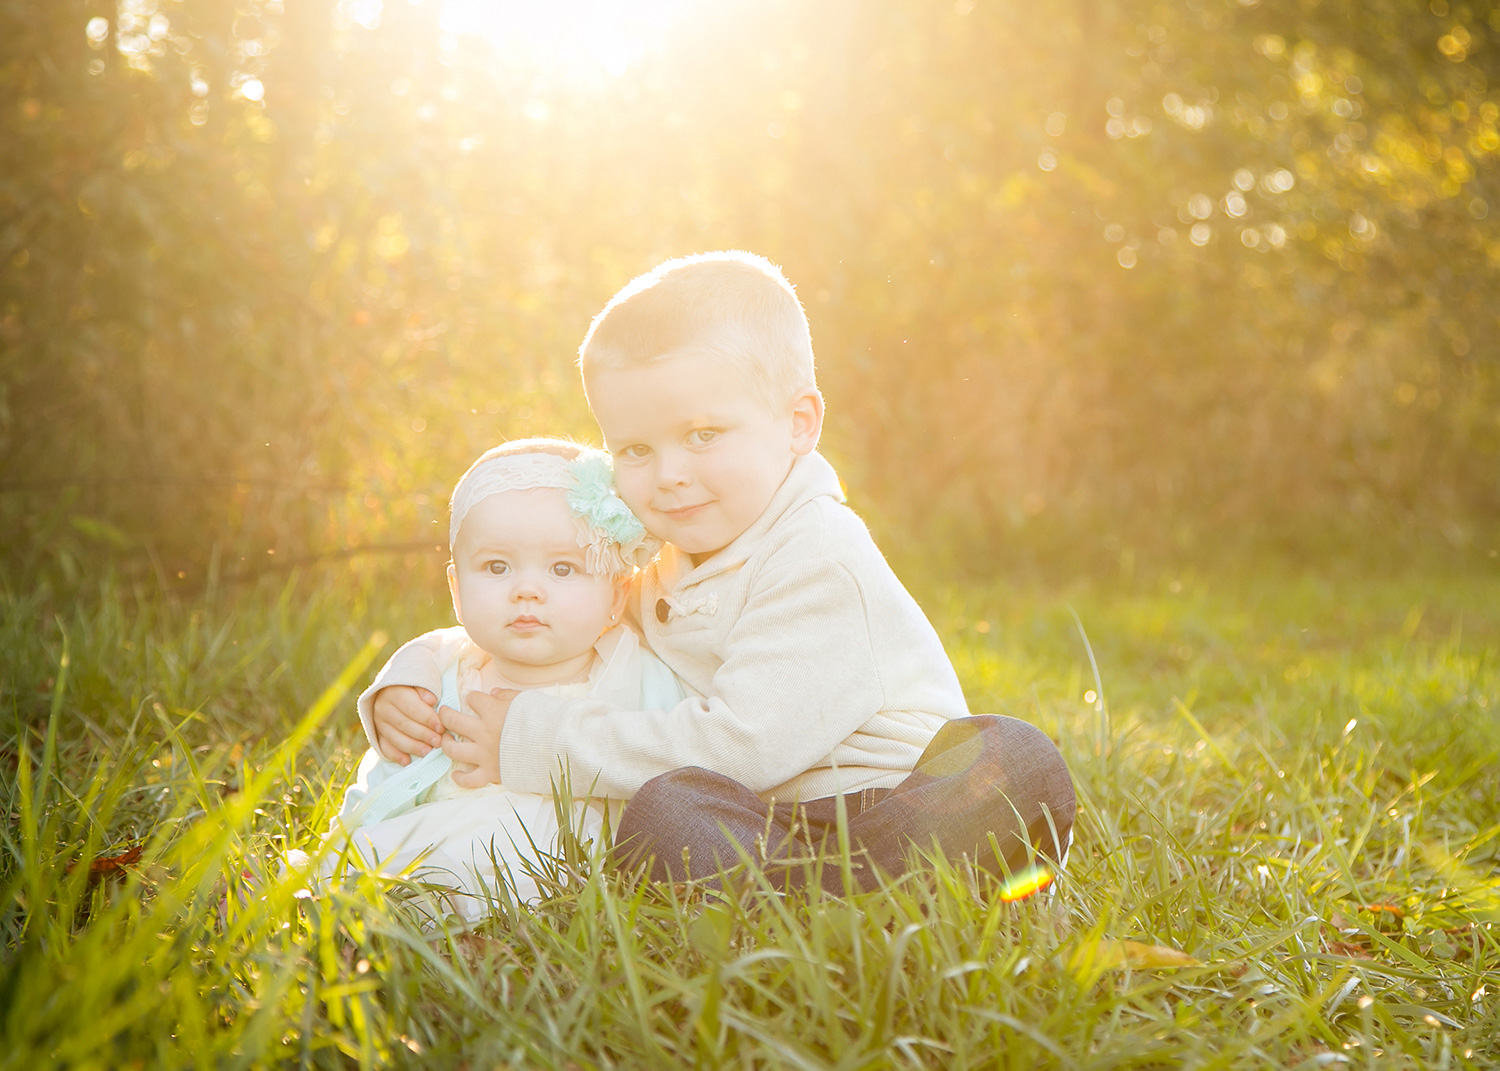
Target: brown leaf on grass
{"x": 1115, "y": 955}
{"x": 1387, "y": 917}
{"x": 481, "y": 944}
{"x": 111, "y": 863}
{"x": 480, "y": 949}
{"x": 1350, "y": 949}
{"x": 109, "y": 866}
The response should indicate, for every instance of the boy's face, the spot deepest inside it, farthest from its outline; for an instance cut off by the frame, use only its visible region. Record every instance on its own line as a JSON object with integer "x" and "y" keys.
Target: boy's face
{"x": 697, "y": 455}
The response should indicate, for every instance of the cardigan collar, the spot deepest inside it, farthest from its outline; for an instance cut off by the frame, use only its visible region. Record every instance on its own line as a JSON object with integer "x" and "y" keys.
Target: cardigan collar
{"x": 811, "y": 477}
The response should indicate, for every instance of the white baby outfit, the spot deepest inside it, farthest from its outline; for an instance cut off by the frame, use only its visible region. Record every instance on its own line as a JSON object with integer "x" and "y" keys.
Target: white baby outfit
{"x": 413, "y": 820}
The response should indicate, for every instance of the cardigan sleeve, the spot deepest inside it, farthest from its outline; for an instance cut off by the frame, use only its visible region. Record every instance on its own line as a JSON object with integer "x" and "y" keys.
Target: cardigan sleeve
{"x": 799, "y": 677}
{"x": 417, "y": 663}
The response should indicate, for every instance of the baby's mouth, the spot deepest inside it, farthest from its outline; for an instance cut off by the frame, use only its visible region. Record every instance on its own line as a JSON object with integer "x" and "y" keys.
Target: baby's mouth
{"x": 526, "y": 624}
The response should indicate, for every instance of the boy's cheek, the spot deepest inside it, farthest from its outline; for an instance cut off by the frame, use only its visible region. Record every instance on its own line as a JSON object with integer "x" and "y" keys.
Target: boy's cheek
{"x": 635, "y": 493}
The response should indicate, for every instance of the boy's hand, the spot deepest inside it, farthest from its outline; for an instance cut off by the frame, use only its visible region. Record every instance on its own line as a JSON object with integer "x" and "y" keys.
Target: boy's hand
{"x": 480, "y": 746}
{"x": 406, "y": 722}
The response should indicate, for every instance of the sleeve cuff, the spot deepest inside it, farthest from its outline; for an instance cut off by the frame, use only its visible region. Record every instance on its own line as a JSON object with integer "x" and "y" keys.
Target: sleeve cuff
{"x": 528, "y": 743}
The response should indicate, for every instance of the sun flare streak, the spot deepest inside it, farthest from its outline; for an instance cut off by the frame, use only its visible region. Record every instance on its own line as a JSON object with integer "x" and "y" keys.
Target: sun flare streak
{"x": 1026, "y": 883}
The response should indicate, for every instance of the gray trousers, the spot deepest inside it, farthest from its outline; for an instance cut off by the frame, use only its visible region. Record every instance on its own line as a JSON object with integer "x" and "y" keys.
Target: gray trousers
{"x": 980, "y": 778}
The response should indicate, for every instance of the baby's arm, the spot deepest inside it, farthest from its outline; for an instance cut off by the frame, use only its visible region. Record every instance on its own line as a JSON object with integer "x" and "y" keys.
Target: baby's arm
{"x": 372, "y": 773}
{"x": 799, "y": 676}
{"x": 399, "y": 709}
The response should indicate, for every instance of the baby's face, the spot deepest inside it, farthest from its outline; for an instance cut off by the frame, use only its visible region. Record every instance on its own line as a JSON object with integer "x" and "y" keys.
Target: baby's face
{"x": 697, "y": 456}
{"x": 520, "y": 588}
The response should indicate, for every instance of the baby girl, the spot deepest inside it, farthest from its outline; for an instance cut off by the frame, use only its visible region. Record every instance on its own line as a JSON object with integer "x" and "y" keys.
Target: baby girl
{"x": 543, "y": 551}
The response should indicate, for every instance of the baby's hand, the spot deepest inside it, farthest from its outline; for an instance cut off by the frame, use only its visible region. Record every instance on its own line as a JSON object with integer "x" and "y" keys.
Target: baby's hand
{"x": 480, "y": 746}
{"x": 406, "y": 722}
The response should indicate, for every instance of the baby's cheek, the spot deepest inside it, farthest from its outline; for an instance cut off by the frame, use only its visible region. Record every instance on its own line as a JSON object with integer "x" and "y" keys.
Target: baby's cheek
{"x": 587, "y": 603}
{"x": 597, "y": 592}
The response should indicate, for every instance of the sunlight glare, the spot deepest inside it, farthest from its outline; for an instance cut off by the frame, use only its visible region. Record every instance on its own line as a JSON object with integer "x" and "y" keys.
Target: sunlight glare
{"x": 1026, "y": 882}
{"x": 577, "y": 39}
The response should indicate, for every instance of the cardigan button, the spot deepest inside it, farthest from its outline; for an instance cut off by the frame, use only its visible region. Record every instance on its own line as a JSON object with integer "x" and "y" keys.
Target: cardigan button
{"x": 662, "y": 610}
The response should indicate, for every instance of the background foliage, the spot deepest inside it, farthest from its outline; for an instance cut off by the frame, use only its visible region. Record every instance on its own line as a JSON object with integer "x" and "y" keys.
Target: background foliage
{"x": 1088, "y": 279}
{"x": 1139, "y": 273}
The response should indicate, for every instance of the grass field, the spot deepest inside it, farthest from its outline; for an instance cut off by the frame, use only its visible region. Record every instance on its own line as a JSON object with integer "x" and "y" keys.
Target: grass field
{"x": 1293, "y": 781}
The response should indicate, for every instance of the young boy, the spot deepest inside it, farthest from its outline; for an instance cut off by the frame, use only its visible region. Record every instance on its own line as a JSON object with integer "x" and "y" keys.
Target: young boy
{"x": 816, "y": 675}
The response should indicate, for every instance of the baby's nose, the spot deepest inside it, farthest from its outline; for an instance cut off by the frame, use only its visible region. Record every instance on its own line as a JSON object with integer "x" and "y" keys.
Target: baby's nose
{"x": 528, "y": 587}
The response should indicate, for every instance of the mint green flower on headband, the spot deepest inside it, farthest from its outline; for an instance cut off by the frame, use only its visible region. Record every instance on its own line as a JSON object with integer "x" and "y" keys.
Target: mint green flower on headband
{"x": 596, "y": 501}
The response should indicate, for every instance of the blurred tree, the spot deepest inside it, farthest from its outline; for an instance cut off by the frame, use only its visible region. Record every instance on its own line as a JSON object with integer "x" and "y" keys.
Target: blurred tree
{"x": 1128, "y": 273}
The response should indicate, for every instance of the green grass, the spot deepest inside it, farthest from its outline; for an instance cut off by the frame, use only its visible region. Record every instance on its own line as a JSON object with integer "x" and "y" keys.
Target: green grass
{"x": 1293, "y": 780}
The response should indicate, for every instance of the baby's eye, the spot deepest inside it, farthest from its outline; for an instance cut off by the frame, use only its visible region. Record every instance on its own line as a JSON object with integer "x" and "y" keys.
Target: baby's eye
{"x": 497, "y": 568}
{"x": 703, "y": 436}
{"x": 633, "y": 452}
{"x": 564, "y": 569}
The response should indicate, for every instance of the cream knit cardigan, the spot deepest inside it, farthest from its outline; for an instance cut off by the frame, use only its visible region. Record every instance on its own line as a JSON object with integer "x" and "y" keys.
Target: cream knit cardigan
{"x": 815, "y": 671}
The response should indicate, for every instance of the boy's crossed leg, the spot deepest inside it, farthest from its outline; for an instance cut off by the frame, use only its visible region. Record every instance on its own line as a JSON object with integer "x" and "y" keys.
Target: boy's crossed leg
{"x": 979, "y": 776}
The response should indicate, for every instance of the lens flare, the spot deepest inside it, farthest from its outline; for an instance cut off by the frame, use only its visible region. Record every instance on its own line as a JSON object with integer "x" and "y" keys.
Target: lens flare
{"x": 1024, "y": 883}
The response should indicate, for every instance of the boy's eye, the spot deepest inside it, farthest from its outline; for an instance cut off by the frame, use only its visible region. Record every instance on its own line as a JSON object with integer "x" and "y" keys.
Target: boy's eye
{"x": 564, "y": 569}
{"x": 497, "y": 568}
{"x": 702, "y": 436}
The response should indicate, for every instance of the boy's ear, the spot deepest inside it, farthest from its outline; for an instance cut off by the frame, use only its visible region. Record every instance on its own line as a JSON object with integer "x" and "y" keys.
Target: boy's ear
{"x": 807, "y": 422}
{"x": 458, "y": 610}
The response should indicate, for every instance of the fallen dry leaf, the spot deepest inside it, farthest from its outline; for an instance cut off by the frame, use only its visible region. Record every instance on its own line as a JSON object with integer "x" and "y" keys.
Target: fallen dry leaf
{"x": 1387, "y": 917}
{"x": 112, "y": 865}
{"x": 1112, "y": 954}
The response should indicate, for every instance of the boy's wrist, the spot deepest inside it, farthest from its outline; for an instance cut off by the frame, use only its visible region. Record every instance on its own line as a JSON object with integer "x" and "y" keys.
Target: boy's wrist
{"x": 527, "y": 753}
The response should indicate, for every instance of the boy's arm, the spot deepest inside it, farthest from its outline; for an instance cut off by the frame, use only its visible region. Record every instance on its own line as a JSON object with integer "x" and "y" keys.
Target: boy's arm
{"x": 417, "y": 663}
{"x": 800, "y": 676}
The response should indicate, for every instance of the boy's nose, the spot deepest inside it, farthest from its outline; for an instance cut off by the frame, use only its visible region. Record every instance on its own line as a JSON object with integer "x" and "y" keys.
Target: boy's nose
{"x": 671, "y": 471}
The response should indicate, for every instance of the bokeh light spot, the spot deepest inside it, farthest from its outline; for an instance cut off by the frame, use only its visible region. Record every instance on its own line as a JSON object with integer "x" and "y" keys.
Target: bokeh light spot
{"x": 1026, "y": 882}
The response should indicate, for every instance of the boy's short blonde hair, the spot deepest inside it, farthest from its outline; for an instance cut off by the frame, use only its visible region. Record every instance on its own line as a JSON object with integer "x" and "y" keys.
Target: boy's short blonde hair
{"x": 733, "y": 306}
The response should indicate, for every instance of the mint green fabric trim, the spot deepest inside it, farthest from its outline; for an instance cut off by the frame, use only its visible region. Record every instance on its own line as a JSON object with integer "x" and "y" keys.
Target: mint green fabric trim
{"x": 400, "y": 793}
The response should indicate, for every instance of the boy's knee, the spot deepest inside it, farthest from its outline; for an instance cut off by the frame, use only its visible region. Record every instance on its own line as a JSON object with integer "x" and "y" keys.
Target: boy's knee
{"x": 670, "y": 795}
{"x": 656, "y": 802}
{"x": 1021, "y": 761}
{"x": 986, "y": 743}
{"x": 1039, "y": 773}
{"x": 666, "y": 814}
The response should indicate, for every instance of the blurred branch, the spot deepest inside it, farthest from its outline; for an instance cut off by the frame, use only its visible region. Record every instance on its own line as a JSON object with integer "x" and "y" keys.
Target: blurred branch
{"x": 23, "y": 486}
{"x": 281, "y": 565}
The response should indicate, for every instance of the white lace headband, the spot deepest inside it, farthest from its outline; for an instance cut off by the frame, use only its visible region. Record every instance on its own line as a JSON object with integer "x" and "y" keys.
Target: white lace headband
{"x": 613, "y": 538}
